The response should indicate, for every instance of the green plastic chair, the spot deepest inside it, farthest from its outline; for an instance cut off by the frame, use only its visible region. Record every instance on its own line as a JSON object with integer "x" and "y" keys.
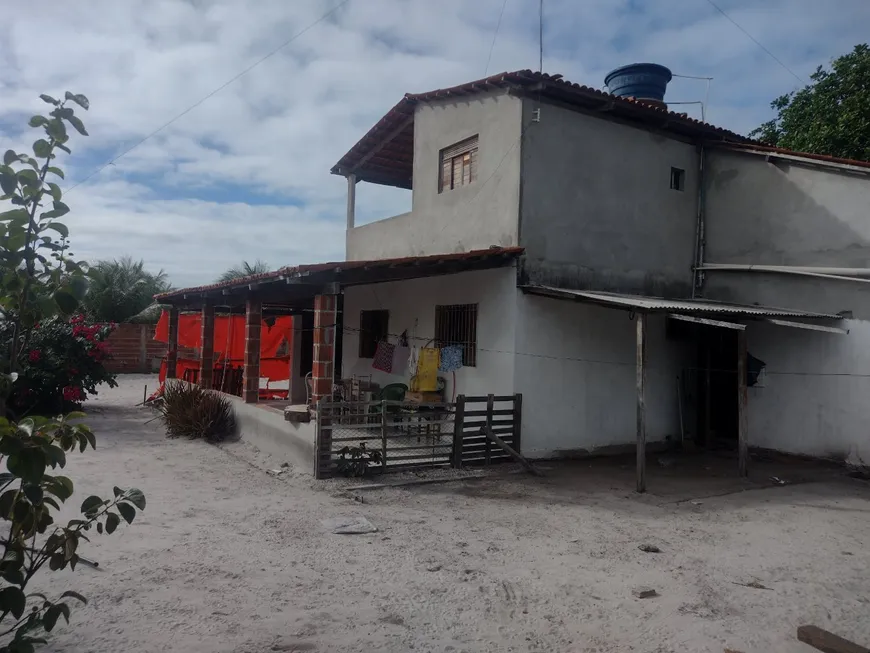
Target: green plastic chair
{"x": 390, "y": 392}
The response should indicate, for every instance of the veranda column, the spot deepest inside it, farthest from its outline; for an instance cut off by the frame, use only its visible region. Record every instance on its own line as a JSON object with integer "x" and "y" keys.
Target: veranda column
{"x": 742, "y": 421}
{"x": 641, "y": 401}
{"x": 172, "y": 353}
{"x": 324, "y": 346}
{"x": 251, "y": 376}
{"x": 206, "y": 351}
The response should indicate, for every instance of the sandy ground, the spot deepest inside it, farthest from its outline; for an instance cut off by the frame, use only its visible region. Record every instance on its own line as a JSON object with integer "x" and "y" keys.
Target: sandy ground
{"x": 229, "y": 558}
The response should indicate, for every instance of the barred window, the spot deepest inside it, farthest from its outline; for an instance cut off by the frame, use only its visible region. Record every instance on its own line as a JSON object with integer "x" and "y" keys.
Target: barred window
{"x": 458, "y": 165}
{"x": 456, "y": 324}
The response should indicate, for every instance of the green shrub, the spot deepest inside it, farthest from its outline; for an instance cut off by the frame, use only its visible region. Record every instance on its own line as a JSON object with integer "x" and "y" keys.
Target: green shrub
{"x": 355, "y": 461}
{"x": 188, "y": 411}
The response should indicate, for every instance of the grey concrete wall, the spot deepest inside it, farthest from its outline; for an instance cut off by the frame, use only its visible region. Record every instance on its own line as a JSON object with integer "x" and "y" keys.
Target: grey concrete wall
{"x": 476, "y": 216}
{"x": 764, "y": 213}
{"x": 597, "y": 210}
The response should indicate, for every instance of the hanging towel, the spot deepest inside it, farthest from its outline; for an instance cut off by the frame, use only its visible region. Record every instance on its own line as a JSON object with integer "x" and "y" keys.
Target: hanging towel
{"x": 427, "y": 370}
{"x": 451, "y": 358}
{"x": 400, "y": 359}
{"x": 383, "y": 359}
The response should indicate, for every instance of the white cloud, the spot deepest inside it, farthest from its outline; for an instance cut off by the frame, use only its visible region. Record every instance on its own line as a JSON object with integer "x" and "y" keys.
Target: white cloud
{"x": 277, "y": 130}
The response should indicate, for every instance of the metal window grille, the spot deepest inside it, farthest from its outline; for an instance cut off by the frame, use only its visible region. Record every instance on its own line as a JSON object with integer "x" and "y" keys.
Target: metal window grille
{"x": 458, "y": 164}
{"x": 456, "y": 324}
{"x": 373, "y": 327}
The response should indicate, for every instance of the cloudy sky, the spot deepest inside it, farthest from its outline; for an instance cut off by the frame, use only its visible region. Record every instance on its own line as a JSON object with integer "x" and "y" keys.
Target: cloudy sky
{"x": 245, "y": 175}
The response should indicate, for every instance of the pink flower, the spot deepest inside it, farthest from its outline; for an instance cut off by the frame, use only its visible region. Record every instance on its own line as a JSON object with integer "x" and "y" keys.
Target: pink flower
{"x": 34, "y": 355}
{"x": 72, "y": 393}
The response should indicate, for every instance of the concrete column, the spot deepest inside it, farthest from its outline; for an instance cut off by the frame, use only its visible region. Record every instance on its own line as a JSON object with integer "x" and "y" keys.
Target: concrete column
{"x": 172, "y": 353}
{"x": 206, "y": 351}
{"x": 324, "y": 346}
{"x": 351, "y": 201}
{"x": 640, "y": 371}
{"x": 297, "y": 380}
{"x": 251, "y": 376}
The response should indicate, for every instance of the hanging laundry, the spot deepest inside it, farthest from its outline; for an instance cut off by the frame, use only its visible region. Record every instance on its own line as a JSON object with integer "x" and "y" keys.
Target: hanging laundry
{"x": 383, "y": 359}
{"x": 427, "y": 370}
{"x": 451, "y": 358}
{"x": 400, "y": 359}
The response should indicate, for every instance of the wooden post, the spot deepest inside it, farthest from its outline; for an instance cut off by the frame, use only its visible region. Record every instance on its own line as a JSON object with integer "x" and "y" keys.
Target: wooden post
{"x": 384, "y": 434}
{"x": 518, "y": 421}
{"x": 641, "y": 401}
{"x": 206, "y": 351}
{"x": 708, "y": 433}
{"x": 351, "y": 200}
{"x": 144, "y": 330}
{"x": 742, "y": 418}
{"x": 172, "y": 353}
{"x": 458, "y": 426}
{"x": 490, "y": 401}
{"x": 827, "y": 642}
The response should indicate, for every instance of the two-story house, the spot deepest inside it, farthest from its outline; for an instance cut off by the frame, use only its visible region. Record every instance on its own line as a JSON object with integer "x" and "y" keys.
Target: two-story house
{"x": 636, "y": 274}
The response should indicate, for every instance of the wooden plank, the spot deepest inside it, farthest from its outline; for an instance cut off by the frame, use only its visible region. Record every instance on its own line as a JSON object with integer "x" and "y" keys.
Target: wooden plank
{"x": 384, "y": 435}
{"x": 484, "y": 413}
{"x": 518, "y": 422}
{"x": 742, "y": 418}
{"x": 419, "y": 481}
{"x": 482, "y": 399}
{"x": 458, "y": 422}
{"x": 489, "y": 403}
{"x": 640, "y": 318}
{"x": 828, "y": 642}
{"x": 510, "y": 451}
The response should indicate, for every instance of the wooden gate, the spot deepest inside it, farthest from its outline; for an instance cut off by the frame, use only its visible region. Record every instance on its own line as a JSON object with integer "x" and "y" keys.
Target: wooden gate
{"x": 500, "y": 414}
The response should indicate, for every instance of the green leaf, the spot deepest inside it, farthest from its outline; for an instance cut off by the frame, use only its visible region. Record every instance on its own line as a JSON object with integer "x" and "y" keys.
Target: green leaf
{"x": 13, "y": 576}
{"x": 10, "y": 157}
{"x": 62, "y": 487}
{"x": 79, "y": 99}
{"x": 41, "y": 148}
{"x": 12, "y": 600}
{"x": 34, "y": 494}
{"x": 28, "y": 464}
{"x": 55, "y": 456}
{"x": 38, "y": 121}
{"x": 127, "y": 511}
{"x": 57, "y": 130}
{"x": 118, "y": 491}
{"x": 99, "y": 528}
{"x": 78, "y": 124}
{"x": 112, "y": 521}
{"x": 55, "y": 171}
{"x": 63, "y": 147}
{"x": 28, "y": 177}
{"x": 55, "y": 191}
{"x": 49, "y": 618}
{"x": 66, "y": 302}
{"x": 14, "y": 214}
{"x": 60, "y": 208}
{"x": 9, "y": 182}
{"x": 136, "y": 497}
{"x": 59, "y": 227}
{"x": 49, "y": 99}
{"x": 91, "y": 503}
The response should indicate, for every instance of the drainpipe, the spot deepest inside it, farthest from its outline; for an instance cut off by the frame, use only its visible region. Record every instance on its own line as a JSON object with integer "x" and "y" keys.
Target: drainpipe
{"x": 700, "y": 236}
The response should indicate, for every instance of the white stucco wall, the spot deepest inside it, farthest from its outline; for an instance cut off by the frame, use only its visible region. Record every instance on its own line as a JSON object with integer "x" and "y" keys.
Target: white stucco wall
{"x": 815, "y": 398}
{"x": 476, "y": 216}
{"x": 575, "y": 367}
{"x": 412, "y": 307}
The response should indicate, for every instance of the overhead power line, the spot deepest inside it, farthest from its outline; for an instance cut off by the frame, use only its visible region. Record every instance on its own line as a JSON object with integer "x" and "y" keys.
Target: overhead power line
{"x": 494, "y": 36}
{"x": 757, "y": 42}
{"x": 211, "y": 94}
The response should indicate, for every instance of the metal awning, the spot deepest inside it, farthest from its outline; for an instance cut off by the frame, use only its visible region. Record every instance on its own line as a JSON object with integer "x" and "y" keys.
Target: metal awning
{"x": 694, "y": 307}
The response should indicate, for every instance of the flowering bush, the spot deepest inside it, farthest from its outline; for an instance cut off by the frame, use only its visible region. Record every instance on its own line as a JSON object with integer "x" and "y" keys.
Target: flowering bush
{"x": 61, "y": 365}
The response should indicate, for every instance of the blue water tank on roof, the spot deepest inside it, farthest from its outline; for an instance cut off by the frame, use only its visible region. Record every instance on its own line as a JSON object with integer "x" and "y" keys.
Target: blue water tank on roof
{"x": 644, "y": 81}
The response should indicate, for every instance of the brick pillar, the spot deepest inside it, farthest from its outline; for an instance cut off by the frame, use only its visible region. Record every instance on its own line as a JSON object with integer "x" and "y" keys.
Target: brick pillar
{"x": 251, "y": 377}
{"x": 324, "y": 346}
{"x": 172, "y": 353}
{"x": 206, "y": 350}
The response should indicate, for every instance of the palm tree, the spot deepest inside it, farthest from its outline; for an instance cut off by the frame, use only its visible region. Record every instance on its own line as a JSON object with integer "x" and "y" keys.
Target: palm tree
{"x": 244, "y": 270}
{"x": 121, "y": 288}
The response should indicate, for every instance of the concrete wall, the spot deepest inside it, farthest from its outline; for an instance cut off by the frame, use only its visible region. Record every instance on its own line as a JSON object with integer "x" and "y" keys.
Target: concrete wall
{"x": 782, "y": 214}
{"x": 575, "y": 366}
{"x": 814, "y": 399}
{"x": 476, "y": 216}
{"x": 597, "y": 210}
{"x": 412, "y": 308}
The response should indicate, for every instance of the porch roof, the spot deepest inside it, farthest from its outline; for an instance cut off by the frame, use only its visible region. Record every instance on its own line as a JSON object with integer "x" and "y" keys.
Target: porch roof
{"x": 300, "y": 283}
{"x": 696, "y": 307}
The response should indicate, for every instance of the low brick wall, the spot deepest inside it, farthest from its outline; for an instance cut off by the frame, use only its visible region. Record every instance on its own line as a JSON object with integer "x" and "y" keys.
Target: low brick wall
{"x": 134, "y": 349}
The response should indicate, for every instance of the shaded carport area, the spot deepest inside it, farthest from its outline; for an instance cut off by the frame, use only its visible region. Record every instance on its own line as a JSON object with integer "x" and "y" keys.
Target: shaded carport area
{"x": 709, "y": 317}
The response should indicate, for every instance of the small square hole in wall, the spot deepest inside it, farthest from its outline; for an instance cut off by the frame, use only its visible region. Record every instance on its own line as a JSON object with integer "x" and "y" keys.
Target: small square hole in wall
{"x": 678, "y": 179}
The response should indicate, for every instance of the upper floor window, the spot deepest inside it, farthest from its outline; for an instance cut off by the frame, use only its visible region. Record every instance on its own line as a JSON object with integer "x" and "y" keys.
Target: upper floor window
{"x": 458, "y": 164}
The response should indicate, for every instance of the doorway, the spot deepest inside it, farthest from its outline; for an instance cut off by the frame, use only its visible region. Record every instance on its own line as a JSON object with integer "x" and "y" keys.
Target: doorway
{"x": 718, "y": 417}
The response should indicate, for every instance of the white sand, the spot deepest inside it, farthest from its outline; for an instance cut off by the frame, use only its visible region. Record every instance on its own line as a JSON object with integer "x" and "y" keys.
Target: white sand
{"x": 228, "y": 558}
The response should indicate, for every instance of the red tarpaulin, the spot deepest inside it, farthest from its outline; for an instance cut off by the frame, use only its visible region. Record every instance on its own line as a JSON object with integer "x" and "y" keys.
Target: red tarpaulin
{"x": 276, "y": 343}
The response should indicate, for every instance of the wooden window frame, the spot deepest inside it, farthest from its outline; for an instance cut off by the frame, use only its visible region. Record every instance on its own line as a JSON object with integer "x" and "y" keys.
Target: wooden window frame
{"x": 370, "y": 337}
{"x": 457, "y": 164}
{"x": 678, "y": 179}
{"x": 456, "y": 324}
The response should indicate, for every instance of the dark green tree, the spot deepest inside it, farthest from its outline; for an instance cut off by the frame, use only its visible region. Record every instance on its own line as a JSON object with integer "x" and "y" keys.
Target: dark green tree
{"x": 829, "y": 116}
{"x": 121, "y": 288}
{"x": 245, "y": 270}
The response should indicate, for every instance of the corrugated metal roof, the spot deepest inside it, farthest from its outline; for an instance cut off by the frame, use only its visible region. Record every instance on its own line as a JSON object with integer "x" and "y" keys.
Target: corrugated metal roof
{"x": 684, "y": 306}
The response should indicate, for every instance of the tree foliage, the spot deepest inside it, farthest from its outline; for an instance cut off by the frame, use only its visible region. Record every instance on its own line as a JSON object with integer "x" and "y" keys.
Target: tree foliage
{"x": 244, "y": 270}
{"x": 121, "y": 288}
{"x": 829, "y": 116}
